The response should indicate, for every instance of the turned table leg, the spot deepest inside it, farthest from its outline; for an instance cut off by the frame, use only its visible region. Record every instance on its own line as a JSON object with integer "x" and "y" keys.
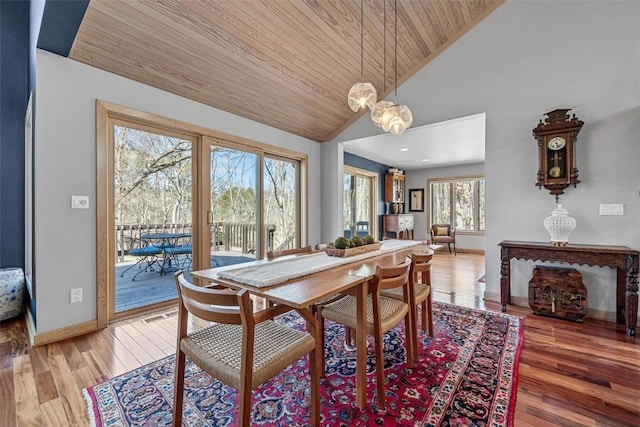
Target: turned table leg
{"x": 505, "y": 279}
{"x": 631, "y": 295}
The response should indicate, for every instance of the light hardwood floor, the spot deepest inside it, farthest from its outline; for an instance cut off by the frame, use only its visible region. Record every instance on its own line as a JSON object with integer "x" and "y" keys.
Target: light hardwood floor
{"x": 571, "y": 374}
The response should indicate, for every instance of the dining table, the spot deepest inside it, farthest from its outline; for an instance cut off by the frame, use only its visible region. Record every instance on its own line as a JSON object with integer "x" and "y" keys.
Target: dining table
{"x": 164, "y": 241}
{"x": 305, "y": 280}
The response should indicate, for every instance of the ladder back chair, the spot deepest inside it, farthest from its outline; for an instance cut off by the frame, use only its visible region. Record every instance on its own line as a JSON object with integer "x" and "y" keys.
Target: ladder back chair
{"x": 242, "y": 349}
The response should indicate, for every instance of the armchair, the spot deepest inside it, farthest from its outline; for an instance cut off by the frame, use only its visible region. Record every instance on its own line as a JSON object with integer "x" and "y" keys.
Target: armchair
{"x": 444, "y": 233}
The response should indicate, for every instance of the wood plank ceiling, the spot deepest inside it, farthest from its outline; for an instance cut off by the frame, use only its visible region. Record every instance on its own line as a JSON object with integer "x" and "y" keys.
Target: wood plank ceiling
{"x": 287, "y": 64}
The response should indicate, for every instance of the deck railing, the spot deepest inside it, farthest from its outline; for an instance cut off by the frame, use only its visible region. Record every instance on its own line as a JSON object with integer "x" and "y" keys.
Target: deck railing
{"x": 225, "y": 236}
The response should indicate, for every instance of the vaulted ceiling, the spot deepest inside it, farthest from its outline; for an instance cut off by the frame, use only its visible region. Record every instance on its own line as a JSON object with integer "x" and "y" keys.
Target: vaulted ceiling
{"x": 287, "y": 64}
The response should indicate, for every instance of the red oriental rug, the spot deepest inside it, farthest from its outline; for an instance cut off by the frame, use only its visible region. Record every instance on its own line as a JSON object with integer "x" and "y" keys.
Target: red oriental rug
{"x": 466, "y": 376}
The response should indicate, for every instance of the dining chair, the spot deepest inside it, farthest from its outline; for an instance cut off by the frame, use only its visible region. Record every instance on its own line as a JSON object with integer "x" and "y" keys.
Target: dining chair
{"x": 242, "y": 349}
{"x": 420, "y": 281}
{"x": 444, "y": 233}
{"x": 181, "y": 247}
{"x": 383, "y": 314}
{"x": 297, "y": 251}
{"x": 147, "y": 255}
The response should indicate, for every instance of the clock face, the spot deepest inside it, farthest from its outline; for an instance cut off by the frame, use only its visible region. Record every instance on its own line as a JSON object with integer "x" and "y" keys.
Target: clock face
{"x": 556, "y": 143}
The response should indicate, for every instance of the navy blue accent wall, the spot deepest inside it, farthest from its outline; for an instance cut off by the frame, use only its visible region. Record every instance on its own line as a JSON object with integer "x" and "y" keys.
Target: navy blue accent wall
{"x": 14, "y": 94}
{"x": 36, "y": 11}
{"x": 366, "y": 164}
{"x": 60, "y": 23}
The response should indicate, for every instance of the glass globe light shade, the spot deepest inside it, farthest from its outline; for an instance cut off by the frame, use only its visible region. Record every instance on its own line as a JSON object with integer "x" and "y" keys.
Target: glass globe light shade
{"x": 397, "y": 119}
{"x": 362, "y": 94}
{"x": 378, "y": 110}
{"x": 385, "y": 120}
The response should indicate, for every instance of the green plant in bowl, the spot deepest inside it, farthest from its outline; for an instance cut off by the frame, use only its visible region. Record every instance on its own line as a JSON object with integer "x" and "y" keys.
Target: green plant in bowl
{"x": 341, "y": 243}
{"x": 357, "y": 241}
{"x": 368, "y": 239}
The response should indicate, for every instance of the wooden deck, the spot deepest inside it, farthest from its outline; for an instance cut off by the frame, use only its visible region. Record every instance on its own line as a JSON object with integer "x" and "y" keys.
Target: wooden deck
{"x": 152, "y": 287}
{"x": 571, "y": 374}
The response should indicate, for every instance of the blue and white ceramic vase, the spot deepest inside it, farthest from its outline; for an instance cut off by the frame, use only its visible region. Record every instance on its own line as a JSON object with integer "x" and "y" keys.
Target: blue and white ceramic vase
{"x": 11, "y": 292}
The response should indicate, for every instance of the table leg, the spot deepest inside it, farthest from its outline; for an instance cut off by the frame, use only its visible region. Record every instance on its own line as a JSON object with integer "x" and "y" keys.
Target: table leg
{"x": 631, "y": 295}
{"x": 361, "y": 345}
{"x": 621, "y": 288}
{"x": 505, "y": 279}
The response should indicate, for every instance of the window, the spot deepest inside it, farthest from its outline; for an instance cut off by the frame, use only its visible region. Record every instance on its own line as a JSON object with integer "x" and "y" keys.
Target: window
{"x": 359, "y": 202}
{"x": 459, "y": 202}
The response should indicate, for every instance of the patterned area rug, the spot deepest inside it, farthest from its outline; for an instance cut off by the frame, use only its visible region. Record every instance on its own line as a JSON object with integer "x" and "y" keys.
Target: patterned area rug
{"x": 466, "y": 376}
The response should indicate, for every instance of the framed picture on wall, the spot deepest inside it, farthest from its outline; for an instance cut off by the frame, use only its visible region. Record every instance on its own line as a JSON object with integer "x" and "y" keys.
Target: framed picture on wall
{"x": 416, "y": 200}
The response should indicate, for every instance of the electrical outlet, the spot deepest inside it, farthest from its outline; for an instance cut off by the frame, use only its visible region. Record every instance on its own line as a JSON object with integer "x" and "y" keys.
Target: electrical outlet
{"x": 75, "y": 295}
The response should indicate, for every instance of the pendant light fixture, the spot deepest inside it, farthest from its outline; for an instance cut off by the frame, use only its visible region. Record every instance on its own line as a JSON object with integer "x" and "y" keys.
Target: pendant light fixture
{"x": 397, "y": 118}
{"x": 362, "y": 94}
{"x": 378, "y": 110}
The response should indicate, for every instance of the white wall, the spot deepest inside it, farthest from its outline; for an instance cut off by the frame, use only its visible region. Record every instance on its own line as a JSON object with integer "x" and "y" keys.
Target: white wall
{"x": 331, "y": 190}
{"x": 418, "y": 179}
{"x": 523, "y": 60}
{"x": 65, "y": 164}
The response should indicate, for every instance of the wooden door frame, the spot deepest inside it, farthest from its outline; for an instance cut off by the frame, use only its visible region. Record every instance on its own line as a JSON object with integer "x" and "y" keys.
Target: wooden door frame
{"x": 106, "y": 112}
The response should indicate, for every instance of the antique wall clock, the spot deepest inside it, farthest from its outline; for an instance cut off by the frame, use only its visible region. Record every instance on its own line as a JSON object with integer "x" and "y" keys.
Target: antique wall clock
{"x": 557, "y": 137}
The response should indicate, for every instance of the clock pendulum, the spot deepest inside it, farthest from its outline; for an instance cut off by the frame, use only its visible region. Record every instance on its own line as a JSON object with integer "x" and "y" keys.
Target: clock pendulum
{"x": 555, "y": 171}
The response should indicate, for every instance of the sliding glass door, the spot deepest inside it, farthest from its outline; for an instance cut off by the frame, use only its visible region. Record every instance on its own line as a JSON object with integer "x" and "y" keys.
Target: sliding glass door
{"x": 281, "y": 190}
{"x": 172, "y": 195}
{"x": 239, "y": 230}
{"x": 152, "y": 210}
{"x": 233, "y": 214}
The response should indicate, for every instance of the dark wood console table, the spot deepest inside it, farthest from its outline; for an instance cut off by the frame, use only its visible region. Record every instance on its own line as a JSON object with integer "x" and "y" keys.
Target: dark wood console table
{"x": 622, "y": 258}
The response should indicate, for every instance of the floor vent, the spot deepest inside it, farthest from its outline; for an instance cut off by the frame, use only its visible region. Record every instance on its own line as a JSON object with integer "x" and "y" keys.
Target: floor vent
{"x": 153, "y": 319}
{"x": 161, "y": 316}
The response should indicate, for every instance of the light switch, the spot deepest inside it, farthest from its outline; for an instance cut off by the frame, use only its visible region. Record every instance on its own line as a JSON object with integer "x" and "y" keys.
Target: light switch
{"x": 612, "y": 209}
{"x": 80, "y": 202}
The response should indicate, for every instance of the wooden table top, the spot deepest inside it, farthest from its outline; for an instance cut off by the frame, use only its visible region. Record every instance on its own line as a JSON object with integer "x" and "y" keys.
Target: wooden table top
{"x": 306, "y": 290}
{"x": 571, "y": 247}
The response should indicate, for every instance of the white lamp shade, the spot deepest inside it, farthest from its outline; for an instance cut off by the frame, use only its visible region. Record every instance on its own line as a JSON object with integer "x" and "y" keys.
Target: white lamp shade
{"x": 396, "y": 119}
{"x": 386, "y": 118}
{"x": 362, "y": 95}
{"x": 378, "y": 110}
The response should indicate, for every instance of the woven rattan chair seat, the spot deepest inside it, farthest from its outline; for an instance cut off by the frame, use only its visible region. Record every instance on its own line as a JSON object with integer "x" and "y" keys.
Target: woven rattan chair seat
{"x": 328, "y": 299}
{"x": 217, "y": 349}
{"x": 344, "y": 311}
{"x": 421, "y": 291}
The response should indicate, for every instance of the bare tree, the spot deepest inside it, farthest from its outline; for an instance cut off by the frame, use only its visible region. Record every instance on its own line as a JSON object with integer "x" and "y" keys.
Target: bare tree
{"x": 152, "y": 177}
